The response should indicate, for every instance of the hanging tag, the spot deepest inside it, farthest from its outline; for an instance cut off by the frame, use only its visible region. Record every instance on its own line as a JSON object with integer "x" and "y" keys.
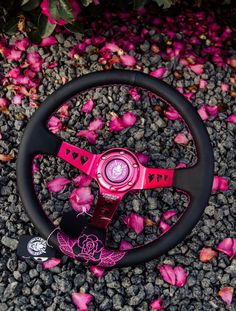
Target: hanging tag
{"x": 35, "y": 247}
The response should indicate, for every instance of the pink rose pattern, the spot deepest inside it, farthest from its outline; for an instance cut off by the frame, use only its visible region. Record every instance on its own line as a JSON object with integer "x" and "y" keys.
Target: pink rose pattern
{"x": 89, "y": 249}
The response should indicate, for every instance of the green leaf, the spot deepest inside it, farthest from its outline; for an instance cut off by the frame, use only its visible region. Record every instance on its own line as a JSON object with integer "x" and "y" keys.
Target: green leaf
{"x": 61, "y": 9}
{"x": 45, "y": 27}
{"x": 75, "y": 27}
{"x": 29, "y": 5}
{"x": 139, "y": 4}
{"x": 34, "y": 36}
{"x": 164, "y": 3}
{"x": 10, "y": 26}
{"x": 86, "y": 2}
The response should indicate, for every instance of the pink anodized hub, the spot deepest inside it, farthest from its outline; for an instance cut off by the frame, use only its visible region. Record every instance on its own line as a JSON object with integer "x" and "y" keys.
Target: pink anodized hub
{"x": 117, "y": 170}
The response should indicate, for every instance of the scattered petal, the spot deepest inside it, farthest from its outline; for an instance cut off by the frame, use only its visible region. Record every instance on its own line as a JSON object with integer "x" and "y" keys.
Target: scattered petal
{"x": 206, "y": 254}
{"x": 88, "y": 106}
{"x": 57, "y": 184}
{"x": 202, "y": 112}
{"x": 143, "y": 158}
{"x": 212, "y": 110}
{"x": 172, "y": 114}
{"x": 180, "y": 275}
{"x": 115, "y": 124}
{"x": 134, "y": 222}
{"x": 63, "y": 112}
{"x": 22, "y": 45}
{"x": 198, "y": 69}
{"x": 128, "y": 119}
{"x": 158, "y": 73}
{"x": 82, "y": 181}
{"x": 17, "y": 99}
{"x": 202, "y": 84}
{"x": 48, "y": 41}
{"x": 6, "y": 157}
{"x": 168, "y": 274}
{"x": 14, "y": 55}
{"x": 97, "y": 271}
{"x": 127, "y": 60}
{"x": 157, "y": 304}
{"x": 96, "y": 124}
{"x": 169, "y": 214}
{"x": 164, "y": 226}
{"x": 231, "y": 118}
{"x": 91, "y": 136}
{"x": 181, "y": 139}
{"x": 3, "y": 102}
{"x": 124, "y": 245}
{"x": 228, "y": 246}
{"x": 134, "y": 94}
{"x": 224, "y": 87}
{"x": 220, "y": 183}
{"x": 13, "y": 73}
{"x": 81, "y": 300}
{"x": 226, "y": 294}
{"x": 51, "y": 263}
{"x": 111, "y": 47}
{"x": 54, "y": 124}
{"x": 81, "y": 198}
{"x": 181, "y": 165}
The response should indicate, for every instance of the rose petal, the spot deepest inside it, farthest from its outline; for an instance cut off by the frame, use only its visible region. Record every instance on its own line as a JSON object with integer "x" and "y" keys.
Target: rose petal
{"x": 181, "y": 139}
{"x": 96, "y": 124}
{"x": 91, "y": 136}
{"x": 198, "y": 69}
{"x": 51, "y": 263}
{"x": 206, "y": 254}
{"x": 226, "y": 294}
{"x": 226, "y": 246}
{"x": 127, "y": 60}
{"x": 116, "y": 124}
{"x": 202, "y": 112}
{"x": 158, "y": 73}
{"x": 220, "y": 183}
{"x": 48, "y": 41}
{"x": 14, "y": 55}
{"x": 54, "y": 124}
{"x": 13, "y": 73}
{"x": 169, "y": 214}
{"x": 233, "y": 250}
{"x": 232, "y": 118}
{"x": 181, "y": 165}
{"x": 82, "y": 181}
{"x": 88, "y": 106}
{"x": 168, "y": 274}
{"x": 202, "y": 84}
{"x": 134, "y": 222}
{"x": 157, "y": 304}
{"x": 63, "y": 112}
{"x": 224, "y": 87}
{"x": 212, "y": 110}
{"x": 22, "y": 44}
{"x": 111, "y": 47}
{"x": 17, "y": 99}
{"x": 57, "y": 184}
{"x": 6, "y": 157}
{"x": 124, "y": 245}
{"x": 81, "y": 300}
{"x": 143, "y": 158}
{"x": 164, "y": 226}
{"x": 81, "y": 198}
{"x": 97, "y": 271}
{"x": 134, "y": 94}
{"x": 128, "y": 119}
{"x": 3, "y": 102}
{"x": 180, "y": 275}
{"x": 172, "y": 114}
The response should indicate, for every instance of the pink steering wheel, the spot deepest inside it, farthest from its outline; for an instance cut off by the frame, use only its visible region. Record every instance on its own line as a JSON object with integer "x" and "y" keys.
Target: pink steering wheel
{"x": 117, "y": 171}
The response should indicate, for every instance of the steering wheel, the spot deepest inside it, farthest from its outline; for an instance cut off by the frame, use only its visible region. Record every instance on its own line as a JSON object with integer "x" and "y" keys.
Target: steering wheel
{"x": 117, "y": 171}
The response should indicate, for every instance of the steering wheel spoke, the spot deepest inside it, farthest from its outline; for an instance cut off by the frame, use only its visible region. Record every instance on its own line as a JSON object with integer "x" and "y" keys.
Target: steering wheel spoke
{"x": 83, "y": 160}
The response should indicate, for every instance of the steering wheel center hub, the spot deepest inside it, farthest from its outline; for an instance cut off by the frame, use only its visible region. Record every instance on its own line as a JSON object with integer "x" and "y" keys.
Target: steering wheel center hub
{"x": 117, "y": 170}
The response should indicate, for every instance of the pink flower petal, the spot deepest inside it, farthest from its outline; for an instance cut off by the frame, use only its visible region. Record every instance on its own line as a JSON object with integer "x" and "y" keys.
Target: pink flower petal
{"x": 158, "y": 73}
{"x": 14, "y": 55}
{"x": 134, "y": 222}
{"x": 63, "y": 111}
{"x": 226, "y": 294}
{"x": 127, "y": 60}
{"x": 169, "y": 214}
{"x": 22, "y": 44}
{"x": 96, "y": 124}
{"x": 124, "y": 245}
{"x": 168, "y": 274}
{"x": 215, "y": 185}
{"x": 212, "y": 110}
{"x": 232, "y": 118}
{"x": 81, "y": 300}
{"x": 3, "y": 102}
{"x": 188, "y": 95}
{"x": 82, "y": 181}
{"x": 17, "y": 99}
{"x": 134, "y": 94}
{"x": 48, "y": 41}
{"x": 157, "y": 304}
{"x": 206, "y": 254}
{"x": 111, "y": 47}
{"x": 128, "y": 119}
{"x": 180, "y": 275}
{"x": 220, "y": 183}
{"x": 143, "y": 158}
{"x": 202, "y": 84}
{"x": 224, "y": 87}
{"x": 54, "y": 124}
{"x": 35, "y": 61}
{"x": 181, "y": 165}
{"x": 202, "y": 112}
{"x": 116, "y": 124}
{"x": 226, "y": 246}
{"x": 51, "y": 263}
{"x": 91, "y": 136}
{"x": 181, "y": 139}
{"x": 88, "y": 106}
{"x": 13, "y": 73}
{"x": 81, "y": 198}
{"x": 97, "y": 271}
{"x": 198, "y": 69}
{"x": 172, "y": 114}
{"x": 57, "y": 184}
{"x": 164, "y": 226}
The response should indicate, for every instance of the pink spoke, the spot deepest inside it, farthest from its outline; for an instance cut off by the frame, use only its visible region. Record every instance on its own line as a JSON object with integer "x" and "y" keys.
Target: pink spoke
{"x": 81, "y": 159}
{"x": 105, "y": 208}
{"x": 154, "y": 178}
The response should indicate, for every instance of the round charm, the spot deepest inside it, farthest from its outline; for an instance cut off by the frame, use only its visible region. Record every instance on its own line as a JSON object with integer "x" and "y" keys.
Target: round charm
{"x": 117, "y": 170}
{"x": 37, "y": 246}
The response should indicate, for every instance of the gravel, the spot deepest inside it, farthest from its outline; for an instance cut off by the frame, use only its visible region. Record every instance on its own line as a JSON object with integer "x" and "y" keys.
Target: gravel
{"x": 24, "y": 285}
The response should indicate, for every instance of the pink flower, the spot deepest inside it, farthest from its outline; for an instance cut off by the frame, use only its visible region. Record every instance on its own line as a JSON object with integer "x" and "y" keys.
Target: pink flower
{"x": 172, "y": 114}
{"x": 81, "y": 300}
{"x": 17, "y": 99}
{"x": 22, "y": 45}
{"x": 157, "y": 304}
{"x": 45, "y": 11}
{"x": 88, "y": 106}
{"x": 91, "y": 136}
{"x": 13, "y": 73}
{"x": 173, "y": 275}
{"x": 57, "y": 184}
{"x": 198, "y": 69}
{"x": 228, "y": 246}
{"x": 124, "y": 245}
{"x": 134, "y": 222}
{"x": 54, "y": 124}
{"x": 169, "y": 214}
{"x": 202, "y": 84}
{"x": 134, "y": 94}
{"x": 158, "y": 73}
{"x": 14, "y": 55}
{"x": 127, "y": 60}
{"x": 51, "y": 263}
{"x": 202, "y": 112}
{"x": 206, "y": 254}
{"x": 232, "y": 118}
{"x": 164, "y": 226}
{"x": 82, "y": 181}
{"x": 143, "y": 158}
{"x": 128, "y": 119}
{"x": 3, "y": 102}
{"x": 220, "y": 183}
{"x": 97, "y": 271}
{"x": 80, "y": 199}
{"x": 226, "y": 294}
{"x": 224, "y": 87}
{"x": 181, "y": 139}
{"x": 48, "y": 41}
{"x": 96, "y": 124}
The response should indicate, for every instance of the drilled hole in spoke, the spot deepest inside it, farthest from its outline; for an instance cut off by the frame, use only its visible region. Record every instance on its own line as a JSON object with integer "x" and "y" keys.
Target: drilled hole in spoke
{"x": 83, "y": 159}
{"x": 150, "y": 177}
{"x": 74, "y": 155}
{"x": 159, "y": 177}
{"x": 67, "y": 151}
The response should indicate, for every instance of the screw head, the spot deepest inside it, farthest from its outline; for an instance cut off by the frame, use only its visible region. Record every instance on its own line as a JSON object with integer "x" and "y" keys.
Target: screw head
{"x": 122, "y": 152}
{"x": 104, "y": 157}
{"x": 135, "y": 165}
{"x": 130, "y": 183}
{"x": 99, "y": 175}
{"x": 112, "y": 188}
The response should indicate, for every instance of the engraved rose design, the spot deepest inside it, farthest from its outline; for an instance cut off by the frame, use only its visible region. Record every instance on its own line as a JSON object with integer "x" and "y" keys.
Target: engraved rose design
{"x": 89, "y": 247}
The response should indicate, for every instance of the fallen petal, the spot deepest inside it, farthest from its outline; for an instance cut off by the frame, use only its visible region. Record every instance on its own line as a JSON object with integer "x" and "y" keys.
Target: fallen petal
{"x": 17, "y": 99}
{"x": 88, "y": 106}
{"x": 111, "y": 47}
{"x": 198, "y": 69}
{"x": 127, "y": 60}
{"x": 164, "y": 226}
{"x": 13, "y": 73}
{"x": 226, "y": 246}
{"x": 206, "y": 254}
{"x": 181, "y": 165}
{"x": 158, "y": 73}
{"x": 134, "y": 94}
{"x": 14, "y": 55}
{"x": 181, "y": 139}
{"x": 128, "y": 119}
{"x": 22, "y": 44}
{"x": 143, "y": 158}
{"x": 116, "y": 124}
{"x": 6, "y": 157}
{"x": 81, "y": 300}
{"x": 224, "y": 87}
{"x": 212, "y": 110}
{"x": 51, "y": 263}
{"x": 91, "y": 136}
{"x": 134, "y": 222}
{"x": 203, "y": 113}
{"x": 157, "y": 304}
{"x": 169, "y": 214}
{"x": 54, "y": 124}
{"x": 3, "y": 102}
{"x": 202, "y": 84}
{"x": 57, "y": 184}
{"x": 97, "y": 271}
{"x": 226, "y": 294}
{"x": 82, "y": 181}
{"x": 124, "y": 245}
{"x": 81, "y": 198}
{"x": 180, "y": 275}
{"x": 172, "y": 114}
{"x": 48, "y": 41}
{"x": 168, "y": 274}
{"x": 232, "y": 118}
{"x": 96, "y": 124}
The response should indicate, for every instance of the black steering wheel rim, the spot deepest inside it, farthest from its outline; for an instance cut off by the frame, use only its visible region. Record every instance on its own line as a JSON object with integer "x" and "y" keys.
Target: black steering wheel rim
{"x": 45, "y": 142}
